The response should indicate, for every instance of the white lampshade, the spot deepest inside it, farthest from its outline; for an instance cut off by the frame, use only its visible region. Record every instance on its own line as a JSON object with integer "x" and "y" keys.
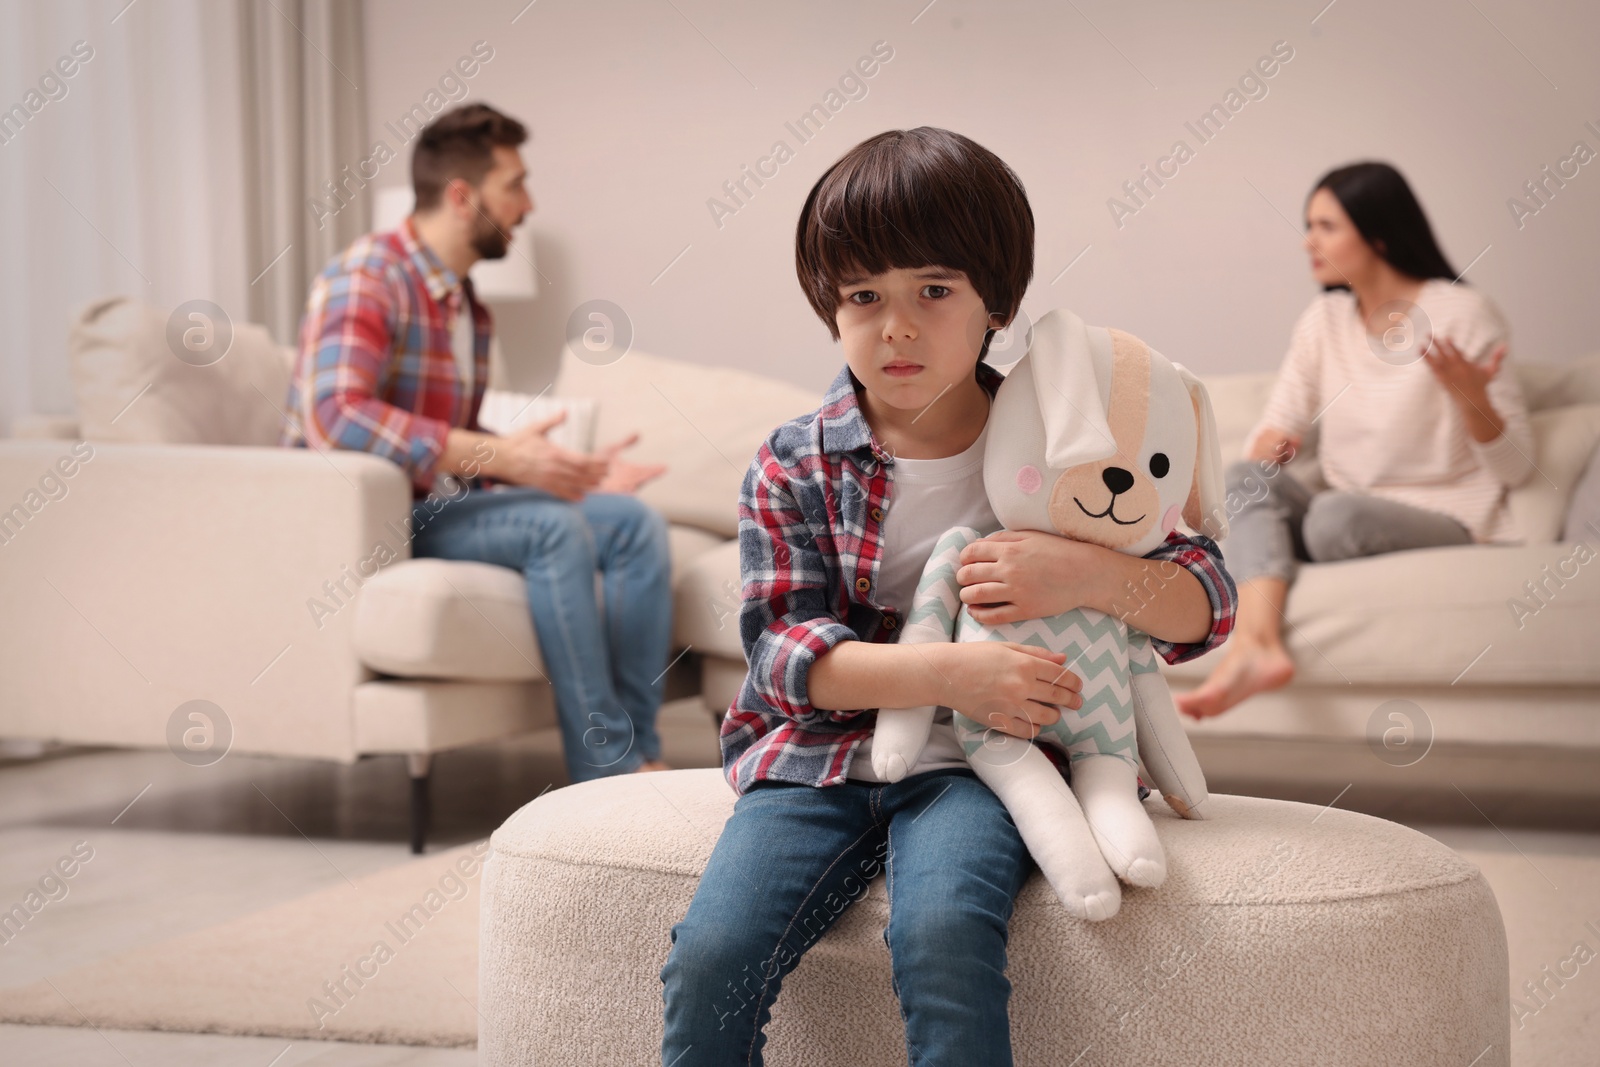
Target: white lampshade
{"x": 511, "y": 277}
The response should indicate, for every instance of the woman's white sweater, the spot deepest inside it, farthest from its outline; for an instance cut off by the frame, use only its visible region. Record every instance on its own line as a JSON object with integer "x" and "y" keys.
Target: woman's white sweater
{"x": 1387, "y": 425}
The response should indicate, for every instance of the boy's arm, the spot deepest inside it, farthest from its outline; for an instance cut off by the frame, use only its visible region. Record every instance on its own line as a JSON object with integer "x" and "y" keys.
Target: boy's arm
{"x": 1180, "y": 594}
{"x": 898, "y": 675}
{"x": 797, "y": 649}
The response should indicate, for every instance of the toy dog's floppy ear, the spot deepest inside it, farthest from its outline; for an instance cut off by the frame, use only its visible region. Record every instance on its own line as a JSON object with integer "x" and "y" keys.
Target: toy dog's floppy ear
{"x": 1204, "y": 511}
{"x": 1071, "y": 401}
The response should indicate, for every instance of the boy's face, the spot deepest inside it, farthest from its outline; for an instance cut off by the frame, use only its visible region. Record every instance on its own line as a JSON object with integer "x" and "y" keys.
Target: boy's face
{"x": 911, "y": 333}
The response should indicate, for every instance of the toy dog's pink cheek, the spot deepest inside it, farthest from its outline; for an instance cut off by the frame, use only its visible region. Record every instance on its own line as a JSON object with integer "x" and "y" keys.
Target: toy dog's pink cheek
{"x": 1029, "y": 480}
{"x": 1170, "y": 520}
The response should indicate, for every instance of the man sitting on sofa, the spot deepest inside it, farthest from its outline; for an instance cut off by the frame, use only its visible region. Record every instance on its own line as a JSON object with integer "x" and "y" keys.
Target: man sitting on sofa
{"x": 393, "y": 358}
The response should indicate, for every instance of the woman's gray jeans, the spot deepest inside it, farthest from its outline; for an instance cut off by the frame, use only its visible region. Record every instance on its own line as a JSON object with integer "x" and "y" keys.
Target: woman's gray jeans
{"x": 1280, "y": 522}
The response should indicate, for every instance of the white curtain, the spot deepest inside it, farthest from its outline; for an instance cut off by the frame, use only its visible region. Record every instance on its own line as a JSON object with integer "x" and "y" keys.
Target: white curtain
{"x": 304, "y": 128}
{"x": 174, "y": 163}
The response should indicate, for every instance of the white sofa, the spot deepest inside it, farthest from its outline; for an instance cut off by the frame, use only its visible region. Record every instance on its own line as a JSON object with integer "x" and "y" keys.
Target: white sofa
{"x": 173, "y": 553}
{"x": 161, "y": 573}
{"x": 1517, "y": 697}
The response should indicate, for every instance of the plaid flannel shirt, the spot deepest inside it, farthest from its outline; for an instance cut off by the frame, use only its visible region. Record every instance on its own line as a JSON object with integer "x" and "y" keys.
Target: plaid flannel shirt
{"x": 810, "y": 536}
{"x": 375, "y": 369}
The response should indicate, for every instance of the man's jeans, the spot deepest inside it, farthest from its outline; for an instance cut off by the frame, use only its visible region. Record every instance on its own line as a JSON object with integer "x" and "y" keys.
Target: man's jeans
{"x": 792, "y": 857}
{"x": 608, "y": 674}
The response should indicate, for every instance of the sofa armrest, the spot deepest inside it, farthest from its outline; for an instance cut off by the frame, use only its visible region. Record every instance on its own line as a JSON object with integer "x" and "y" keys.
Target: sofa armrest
{"x": 1564, "y": 441}
{"x": 35, "y": 427}
{"x": 140, "y": 577}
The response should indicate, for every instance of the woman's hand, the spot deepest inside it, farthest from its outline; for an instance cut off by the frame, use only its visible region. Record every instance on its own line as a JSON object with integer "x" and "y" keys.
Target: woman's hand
{"x": 1457, "y": 372}
{"x": 1273, "y": 445}
{"x": 1026, "y": 574}
{"x": 1468, "y": 384}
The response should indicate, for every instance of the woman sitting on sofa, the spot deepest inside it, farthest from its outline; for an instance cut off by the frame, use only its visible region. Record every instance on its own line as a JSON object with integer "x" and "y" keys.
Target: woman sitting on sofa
{"x": 1422, "y": 426}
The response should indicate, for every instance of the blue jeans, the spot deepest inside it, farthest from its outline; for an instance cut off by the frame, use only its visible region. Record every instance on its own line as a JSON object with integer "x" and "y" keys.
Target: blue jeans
{"x": 608, "y": 674}
{"x": 792, "y": 857}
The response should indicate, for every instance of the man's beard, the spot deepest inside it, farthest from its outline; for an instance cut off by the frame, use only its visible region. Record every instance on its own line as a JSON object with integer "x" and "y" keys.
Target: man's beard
{"x": 488, "y": 240}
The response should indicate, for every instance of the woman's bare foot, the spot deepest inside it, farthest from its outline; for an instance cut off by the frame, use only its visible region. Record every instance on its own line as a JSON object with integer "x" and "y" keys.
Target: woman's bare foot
{"x": 1247, "y": 669}
{"x": 652, "y": 765}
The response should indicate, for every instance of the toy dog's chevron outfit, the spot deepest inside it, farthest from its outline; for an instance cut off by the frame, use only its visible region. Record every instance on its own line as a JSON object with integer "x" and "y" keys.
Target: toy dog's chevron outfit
{"x": 1100, "y": 648}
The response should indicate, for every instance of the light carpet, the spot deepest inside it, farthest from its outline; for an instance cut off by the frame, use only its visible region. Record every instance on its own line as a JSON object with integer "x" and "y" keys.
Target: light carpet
{"x": 391, "y": 957}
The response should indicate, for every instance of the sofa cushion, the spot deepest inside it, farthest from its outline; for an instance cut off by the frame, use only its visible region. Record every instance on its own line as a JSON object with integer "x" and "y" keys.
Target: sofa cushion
{"x": 1550, "y": 385}
{"x": 1583, "y": 513}
{"x": 436, "y": 618}
{"x": 1564, "y": 439}
{"x": 1488, "y": 614}
{"x": 704, "y": 422}
{"x": 131, "y": 387}
{"x": 1236, "y": 402}
{"x": 706, "y": 603}
{"x": 1419, "y": 617}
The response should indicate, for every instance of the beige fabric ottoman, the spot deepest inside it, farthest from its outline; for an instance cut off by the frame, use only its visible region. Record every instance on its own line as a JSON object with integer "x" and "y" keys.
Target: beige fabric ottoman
{"x": 1285, "y": 934}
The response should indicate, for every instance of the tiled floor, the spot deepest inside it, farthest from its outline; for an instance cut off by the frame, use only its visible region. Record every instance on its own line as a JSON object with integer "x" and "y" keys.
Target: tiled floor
{"x": 178, "y": 848}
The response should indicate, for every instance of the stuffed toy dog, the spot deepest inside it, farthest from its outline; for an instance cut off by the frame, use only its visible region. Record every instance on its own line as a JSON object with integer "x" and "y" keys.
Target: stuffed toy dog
{"x": 1093, "y": 436}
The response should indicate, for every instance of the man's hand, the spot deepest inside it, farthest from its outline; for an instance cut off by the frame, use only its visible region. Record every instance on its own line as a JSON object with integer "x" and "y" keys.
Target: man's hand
{"x": 1012, "y": 687}
{"x": 623, "y": 476}
{"x": 526, "y": 457}
{"x": 1013, "y": 575}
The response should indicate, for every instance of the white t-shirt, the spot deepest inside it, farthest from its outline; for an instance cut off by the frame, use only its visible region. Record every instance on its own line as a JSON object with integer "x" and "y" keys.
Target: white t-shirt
{"x": 463, "y": 341}
{"x": 927, "y": 497}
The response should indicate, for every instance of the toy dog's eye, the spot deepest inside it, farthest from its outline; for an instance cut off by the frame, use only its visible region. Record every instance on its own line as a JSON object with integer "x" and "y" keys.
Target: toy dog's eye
{"x": 1159, "y": 465}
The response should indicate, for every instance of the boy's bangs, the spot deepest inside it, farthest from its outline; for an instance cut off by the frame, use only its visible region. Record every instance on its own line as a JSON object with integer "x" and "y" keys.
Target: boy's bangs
{"x": 869, "y": 227}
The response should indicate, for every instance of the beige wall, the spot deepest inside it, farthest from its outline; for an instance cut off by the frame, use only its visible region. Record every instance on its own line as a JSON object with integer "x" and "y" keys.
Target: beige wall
{"x": 640, "y": 113}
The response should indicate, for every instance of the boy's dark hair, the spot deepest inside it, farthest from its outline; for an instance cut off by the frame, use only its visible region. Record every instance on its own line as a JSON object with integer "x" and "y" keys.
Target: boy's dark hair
{"x": 916, "y": 198}
{"x": 459, "y": 144}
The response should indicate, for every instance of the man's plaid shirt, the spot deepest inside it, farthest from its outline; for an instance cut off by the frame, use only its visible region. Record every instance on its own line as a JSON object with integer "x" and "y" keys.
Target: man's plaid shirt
{"x": 810, "y": 535}
{"x": 376, "y": 370}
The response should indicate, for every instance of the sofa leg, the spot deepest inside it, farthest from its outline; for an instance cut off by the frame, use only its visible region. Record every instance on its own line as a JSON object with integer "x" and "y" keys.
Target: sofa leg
{"x": 417, "y": 764}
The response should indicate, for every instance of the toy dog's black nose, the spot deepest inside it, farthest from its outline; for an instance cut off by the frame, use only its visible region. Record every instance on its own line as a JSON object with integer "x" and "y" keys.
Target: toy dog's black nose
{"x": 1117, "y": 480}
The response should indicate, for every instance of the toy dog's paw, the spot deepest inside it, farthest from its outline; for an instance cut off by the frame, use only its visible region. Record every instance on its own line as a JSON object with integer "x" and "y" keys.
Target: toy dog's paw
{"x": 1096, "y": 906}
{"x": 890, "y": 766}
{"x": 1086, "y": 887}
{"x": 1177, "y": 804}
{"x": 1146, "y": 872}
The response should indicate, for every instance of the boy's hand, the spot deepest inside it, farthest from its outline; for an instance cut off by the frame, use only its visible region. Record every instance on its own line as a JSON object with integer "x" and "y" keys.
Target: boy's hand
{"x": 1009, "y": 686}
{"x": 1013, "y": 575}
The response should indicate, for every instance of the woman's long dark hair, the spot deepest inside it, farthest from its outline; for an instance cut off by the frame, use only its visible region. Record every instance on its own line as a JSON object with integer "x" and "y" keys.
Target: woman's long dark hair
{"x": 1384, "y": 209}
